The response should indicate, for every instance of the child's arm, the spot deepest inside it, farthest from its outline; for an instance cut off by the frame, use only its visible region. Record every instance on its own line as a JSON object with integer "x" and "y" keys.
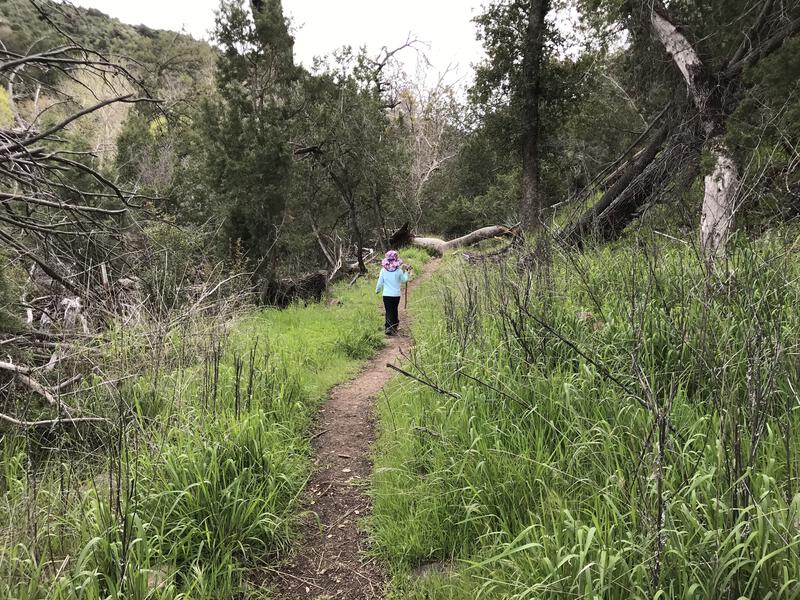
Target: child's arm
{"x": 380, "y": 283}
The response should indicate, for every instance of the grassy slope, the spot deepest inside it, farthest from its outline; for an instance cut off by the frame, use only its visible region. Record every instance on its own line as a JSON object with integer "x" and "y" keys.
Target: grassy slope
{"x": 542, "y": 481}
{"x": 217, "y": 481}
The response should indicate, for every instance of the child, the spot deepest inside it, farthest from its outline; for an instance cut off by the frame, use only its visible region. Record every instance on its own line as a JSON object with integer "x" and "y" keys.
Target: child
{"x": 393, "y": 274}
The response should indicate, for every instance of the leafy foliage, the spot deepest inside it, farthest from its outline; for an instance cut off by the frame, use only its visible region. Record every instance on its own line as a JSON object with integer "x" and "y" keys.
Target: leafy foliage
{"x": 351, "y": 151}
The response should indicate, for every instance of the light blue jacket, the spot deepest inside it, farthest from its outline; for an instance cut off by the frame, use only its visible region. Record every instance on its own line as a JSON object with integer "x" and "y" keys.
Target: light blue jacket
{"x": 391, "y": 281}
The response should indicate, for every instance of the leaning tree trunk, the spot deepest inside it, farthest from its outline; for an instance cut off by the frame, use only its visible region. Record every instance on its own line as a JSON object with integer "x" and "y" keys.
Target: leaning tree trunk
{"x": 706, "y": 90}
{"x": 532, "y": 201}
{"x": 598, "y": 218}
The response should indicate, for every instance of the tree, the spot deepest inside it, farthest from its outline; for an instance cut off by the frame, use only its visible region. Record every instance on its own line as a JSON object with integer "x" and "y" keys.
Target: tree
{"x": 714, "y": 92}
{"x": 710, "y": 54}
{"x": 433, "y": 118}
{"x": 532, "y": 201}
{"x": 523, "y": 93}
{"x": 239, "y": 142}
{"x": 351, "y": 148}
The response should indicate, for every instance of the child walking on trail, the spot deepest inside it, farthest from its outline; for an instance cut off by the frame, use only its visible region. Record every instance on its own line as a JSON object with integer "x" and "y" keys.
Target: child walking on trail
{"x": 393, "y": 274}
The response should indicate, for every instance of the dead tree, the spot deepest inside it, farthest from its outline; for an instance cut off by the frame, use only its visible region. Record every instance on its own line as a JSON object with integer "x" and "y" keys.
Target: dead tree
{"x": 404, "y": 237}
{"x": 61, "y": 218}
{"x": 54, "y": 204}
{"x": 431, "y": 116}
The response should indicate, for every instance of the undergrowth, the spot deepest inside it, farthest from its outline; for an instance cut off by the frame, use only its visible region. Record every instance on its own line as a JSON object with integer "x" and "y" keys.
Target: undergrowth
{"x": 193, "y": 488}
{"x": 613, "y": 424}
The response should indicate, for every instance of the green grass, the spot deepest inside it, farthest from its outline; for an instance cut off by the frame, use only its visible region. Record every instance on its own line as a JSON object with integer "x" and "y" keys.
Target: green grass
{"x": 197, "y": 487}
{"x": 545, "y": 477}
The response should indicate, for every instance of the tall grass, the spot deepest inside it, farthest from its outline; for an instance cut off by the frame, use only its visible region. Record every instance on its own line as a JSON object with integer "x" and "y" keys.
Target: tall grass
{"x": 195, "y": 486}
{"x": 621, "y": 425}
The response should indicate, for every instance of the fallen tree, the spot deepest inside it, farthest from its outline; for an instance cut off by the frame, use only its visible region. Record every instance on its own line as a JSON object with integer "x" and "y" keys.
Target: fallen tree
{"x": 667, "y": 164}
{"x": 404, "y": 237}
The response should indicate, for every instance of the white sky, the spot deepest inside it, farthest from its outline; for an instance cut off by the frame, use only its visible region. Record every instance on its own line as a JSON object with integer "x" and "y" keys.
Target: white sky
{"x": 324, "y": 25}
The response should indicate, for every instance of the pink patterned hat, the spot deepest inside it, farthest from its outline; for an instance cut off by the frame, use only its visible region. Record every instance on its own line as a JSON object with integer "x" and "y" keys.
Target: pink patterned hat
{"x": 392, "y": 261}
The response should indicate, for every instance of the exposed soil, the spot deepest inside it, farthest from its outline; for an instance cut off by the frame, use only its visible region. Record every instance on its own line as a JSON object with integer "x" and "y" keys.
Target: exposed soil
{"x": 330, "y": 561}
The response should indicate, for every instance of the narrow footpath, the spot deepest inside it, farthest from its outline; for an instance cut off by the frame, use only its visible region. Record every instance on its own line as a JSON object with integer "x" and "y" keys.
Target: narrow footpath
{"x": 330, "y": 560}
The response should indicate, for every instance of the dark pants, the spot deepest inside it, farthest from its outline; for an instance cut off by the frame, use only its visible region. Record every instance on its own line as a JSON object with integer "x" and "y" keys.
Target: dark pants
{"x": 392, "y": 304}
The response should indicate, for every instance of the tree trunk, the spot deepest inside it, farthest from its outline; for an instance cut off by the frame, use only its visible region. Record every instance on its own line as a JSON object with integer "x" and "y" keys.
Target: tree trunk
{"x": 532, "y": 201}
{"x": 719, "y": 197}
{"x": 382, "y": 221}
{"x": 437, "y": 246}
{"x": 719, "y": 203}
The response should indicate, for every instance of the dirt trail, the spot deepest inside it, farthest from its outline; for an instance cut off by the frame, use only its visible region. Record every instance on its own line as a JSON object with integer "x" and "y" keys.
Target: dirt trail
{"x": 330, "y": 560}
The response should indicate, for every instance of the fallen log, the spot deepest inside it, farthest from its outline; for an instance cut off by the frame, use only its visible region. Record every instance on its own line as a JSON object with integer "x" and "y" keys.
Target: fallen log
{"x": 404, "y": 237}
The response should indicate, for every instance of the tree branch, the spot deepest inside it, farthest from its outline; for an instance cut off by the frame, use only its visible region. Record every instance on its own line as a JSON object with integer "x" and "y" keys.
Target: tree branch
{"x": 51, "y": 422}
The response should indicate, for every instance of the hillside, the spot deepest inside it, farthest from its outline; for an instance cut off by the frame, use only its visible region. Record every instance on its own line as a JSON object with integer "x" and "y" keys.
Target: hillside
{"x": 161, "y": 64}
{"x": 21, "y": 26}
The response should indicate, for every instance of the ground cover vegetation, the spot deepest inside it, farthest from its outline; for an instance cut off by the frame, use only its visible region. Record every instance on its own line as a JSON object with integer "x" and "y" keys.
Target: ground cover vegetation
{"x": 613, "y": 425}
{"x": 604, "y": 407}
{"x": 194, "y": 480}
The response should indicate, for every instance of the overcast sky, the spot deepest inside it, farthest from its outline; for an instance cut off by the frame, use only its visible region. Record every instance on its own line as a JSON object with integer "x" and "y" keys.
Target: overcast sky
{"x": 324, "y": 25}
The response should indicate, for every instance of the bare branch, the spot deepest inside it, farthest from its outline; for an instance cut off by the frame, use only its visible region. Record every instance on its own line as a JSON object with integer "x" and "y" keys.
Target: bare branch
{"x": 52, "y": 422}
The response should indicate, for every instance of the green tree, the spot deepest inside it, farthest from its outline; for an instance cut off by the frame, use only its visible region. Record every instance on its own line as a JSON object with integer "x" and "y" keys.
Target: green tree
{"x": 242, "y": 131}
{"x": 352, "y": 148}
{"x": 515, "y": 113}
